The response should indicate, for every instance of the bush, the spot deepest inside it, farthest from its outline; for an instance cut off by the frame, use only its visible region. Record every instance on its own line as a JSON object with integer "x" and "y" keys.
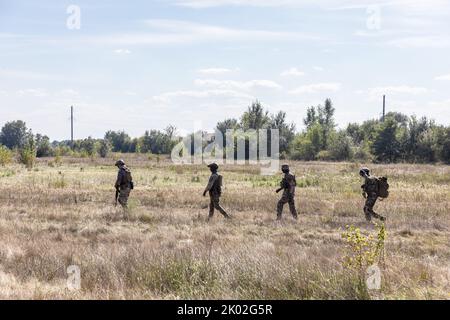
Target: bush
{"x": 104, "y": 149}
{"x": 5, "y": 156}
{"x": 303, "y": 149}
{"x": 341, "y": 148}
{"x": 27, "y": 156}
{"x": 324, "y": 155}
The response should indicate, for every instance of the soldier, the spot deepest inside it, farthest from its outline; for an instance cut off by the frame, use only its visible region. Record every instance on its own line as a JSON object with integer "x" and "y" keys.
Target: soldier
{"x": 124, "y": 184}
{"x": 288, "y": 185}
{"x": 214, "y": 188}
{"x": 370, "y": 193}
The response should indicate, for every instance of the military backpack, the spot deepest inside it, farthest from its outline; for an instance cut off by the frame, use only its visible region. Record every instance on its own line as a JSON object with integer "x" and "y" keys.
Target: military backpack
{"x": 217, "y": 186}
{"x": 383, "y": 187}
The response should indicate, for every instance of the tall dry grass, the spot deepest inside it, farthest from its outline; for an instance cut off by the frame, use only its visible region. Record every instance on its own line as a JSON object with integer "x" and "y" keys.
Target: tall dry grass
{"x": 59, "y": 215}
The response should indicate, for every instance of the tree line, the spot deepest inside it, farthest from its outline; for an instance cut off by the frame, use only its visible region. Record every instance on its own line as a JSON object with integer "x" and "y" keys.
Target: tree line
{"x": 395, "y": 138}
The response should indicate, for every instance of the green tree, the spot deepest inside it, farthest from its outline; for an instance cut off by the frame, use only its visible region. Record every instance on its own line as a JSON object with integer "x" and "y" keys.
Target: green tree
{"x": 43, "y": 146}
{"x": 326, "y": 120}
{"x": 27, "y": 152}
{"x": 89, "y": 146}
{"x": 311, "y": 117}
{"x": 386, "y": 146}
{"x": 104, "y": 148}
{"x": 286, "y": 131}
{"x": 255, "y": 117}
{"x": 340, "y": 147}
{"x": 444, "y": 151}
{"x": 14, "y": 134}
{"x": 119, "y": 140}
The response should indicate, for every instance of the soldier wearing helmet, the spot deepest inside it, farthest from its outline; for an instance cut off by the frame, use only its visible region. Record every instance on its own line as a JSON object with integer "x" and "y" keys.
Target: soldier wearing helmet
{"x": 287, "y": 184}
{"x": 124, "y": 184}
{"x": 370, "y": 193}
{"x": 214, "y": 188}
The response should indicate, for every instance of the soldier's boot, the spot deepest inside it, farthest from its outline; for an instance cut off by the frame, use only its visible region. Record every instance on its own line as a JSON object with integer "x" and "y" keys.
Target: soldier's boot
{"x": 216, "y": 205}
{"x": 293, "y": 210}
{"x": 223, "y": 212}
{"x": 280, "y": 206}
{"x": 377, "y": 216}
{"x": 368, "y": 214}
{"x": 211, "y": 211}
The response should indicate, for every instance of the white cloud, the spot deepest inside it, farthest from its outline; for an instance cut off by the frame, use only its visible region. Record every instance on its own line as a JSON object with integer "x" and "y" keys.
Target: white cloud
{"x": 404, "y": 89}
{"x": 445, "y": 77}
{"x": 122, "y": 51}
{"x": 167, "y": 97}
{"x": 430, "y": 42}
{"x": 410, "y": 5}
{"x": 68, "y": 92}
{"x": 292, "y": 72}
{"x": 317, "y": 68}
{"x": 317, "y": 88}
{"x": 216, "y": 71}
{"x": 28, "y": 75}
{"x": 32, "y": 92}
{"x": 238, "y": 85}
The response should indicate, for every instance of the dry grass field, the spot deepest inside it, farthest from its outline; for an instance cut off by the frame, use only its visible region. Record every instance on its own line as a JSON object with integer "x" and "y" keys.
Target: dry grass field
{"x": 59, "y": 215}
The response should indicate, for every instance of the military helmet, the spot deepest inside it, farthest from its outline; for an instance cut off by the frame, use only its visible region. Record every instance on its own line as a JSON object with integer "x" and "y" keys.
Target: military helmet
{"x": 120, "y": 163}
{"x": 213, "y": 166}
{"x": 364, "y": 172}
{"x": 285, "y": 168}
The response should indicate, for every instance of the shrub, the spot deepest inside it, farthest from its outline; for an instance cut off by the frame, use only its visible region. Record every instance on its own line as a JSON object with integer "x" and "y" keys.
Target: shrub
{"x": 27, "y": 154}
{"x": 5, "y": 156}
{"x": 362, "y": 251}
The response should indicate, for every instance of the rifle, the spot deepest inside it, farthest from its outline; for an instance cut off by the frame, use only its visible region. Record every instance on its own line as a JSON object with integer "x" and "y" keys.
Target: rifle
{"x": 117, "y": 196}
{"x": 284, "y": 185}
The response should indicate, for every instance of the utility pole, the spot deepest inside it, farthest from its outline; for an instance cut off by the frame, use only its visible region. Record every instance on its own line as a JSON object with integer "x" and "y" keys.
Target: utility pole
{"x": 384, "y": 107}
{"x": 71, "y": 127}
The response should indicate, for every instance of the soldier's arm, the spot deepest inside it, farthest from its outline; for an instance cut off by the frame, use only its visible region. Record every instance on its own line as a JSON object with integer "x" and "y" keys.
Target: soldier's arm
{"x": 363, "y": 187}
{"x": 211, "y": 181}
{"x": 119, "y": 180}
{"x": 291, "y": 184}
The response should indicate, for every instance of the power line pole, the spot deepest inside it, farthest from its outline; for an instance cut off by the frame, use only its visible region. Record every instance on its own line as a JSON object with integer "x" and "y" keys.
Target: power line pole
{"x": 71, "y": 126}
{"x": 384, "y": 107}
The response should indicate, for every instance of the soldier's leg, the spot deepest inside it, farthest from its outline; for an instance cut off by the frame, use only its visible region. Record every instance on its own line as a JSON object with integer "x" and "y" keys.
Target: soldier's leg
{"x": 211, "y": 207}
{"x": 280, "y": 206}
{"x": 292, "y": 207}
{"x": 374, "y": 214}
{"x": 368, "y": 208}
{"x": 123, "y": 198}
{"x": 218, "y": 207}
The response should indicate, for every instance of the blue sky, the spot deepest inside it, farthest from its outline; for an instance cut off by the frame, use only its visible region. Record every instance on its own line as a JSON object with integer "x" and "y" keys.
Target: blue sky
{"x": 139, "y": 65}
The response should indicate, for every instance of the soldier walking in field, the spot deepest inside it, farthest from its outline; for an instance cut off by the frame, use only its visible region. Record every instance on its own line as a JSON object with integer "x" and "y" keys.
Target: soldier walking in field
{"x": 373, "y": 188}
{"x": 288, "y": 185}
{"x": 124, "y": 184}
{"x": 214, "y": 188}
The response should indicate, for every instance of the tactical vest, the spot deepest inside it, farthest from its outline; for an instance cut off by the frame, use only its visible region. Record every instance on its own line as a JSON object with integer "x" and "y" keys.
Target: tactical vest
{"x": 127, "y": 180}
{"x": 217, "y": 186}
{"x": 288, "y": 181}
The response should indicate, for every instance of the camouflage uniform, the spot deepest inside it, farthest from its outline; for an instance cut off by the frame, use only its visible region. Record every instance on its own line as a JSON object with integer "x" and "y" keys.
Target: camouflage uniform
{"x": 124, "y": 185}
{"x": 214, "y": 188}
{"x": 288, "y": 184}
{"x": 370, "y": 192}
